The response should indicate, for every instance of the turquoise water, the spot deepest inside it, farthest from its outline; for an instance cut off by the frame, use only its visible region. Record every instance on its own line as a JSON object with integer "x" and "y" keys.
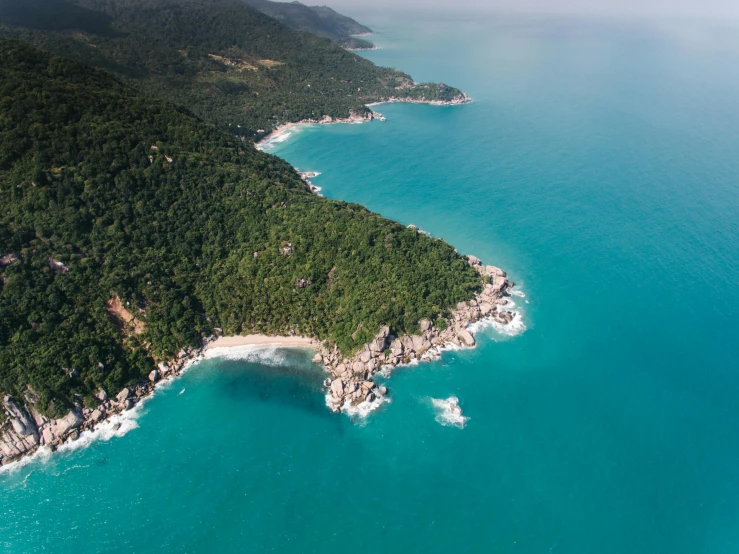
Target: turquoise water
{"x": 598, "y": 165}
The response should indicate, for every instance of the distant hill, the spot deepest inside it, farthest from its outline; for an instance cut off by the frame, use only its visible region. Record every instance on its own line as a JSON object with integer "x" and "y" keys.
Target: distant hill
{"x": 224, "y": 60}
{"x": 319, "y": 20}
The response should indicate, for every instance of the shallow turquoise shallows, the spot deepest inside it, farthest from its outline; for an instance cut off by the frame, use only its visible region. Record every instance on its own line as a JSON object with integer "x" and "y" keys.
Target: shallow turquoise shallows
{"x": 599, "y": 165}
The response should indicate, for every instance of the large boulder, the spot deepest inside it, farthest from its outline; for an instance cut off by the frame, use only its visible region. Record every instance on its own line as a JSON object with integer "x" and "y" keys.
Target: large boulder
{"x": 163, "y": 368}
{"x": 425, "y": 325}
{"x": 317, "y": 359}
{"x": 341, "y": 368}
{"x": 47, "y": 437}
{"x": 485, "y": 308}
{"x": 96, "y": 415}
{"x": 396, "y": 347}
{"x": 337, "y": 388}
{"x": 377, "y": 345}
{"x": 154, "y": 376}
{"x": 123, "y": 395}
{"x": 408, "y": 344}
{"x": 21, "y": 421}
{"x": 493, "y": 271}
{"x": 101, "y": 395}
{"x": 365, "y": 356}
{"x": 499, "y": 284}
{"x": 358, "y": 367}
{"x": 62, "y": 426}
{"x": 466, "y": 337}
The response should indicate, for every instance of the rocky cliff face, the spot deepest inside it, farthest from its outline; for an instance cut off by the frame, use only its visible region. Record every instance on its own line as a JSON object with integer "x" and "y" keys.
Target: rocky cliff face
{"x": 20, "y": 434}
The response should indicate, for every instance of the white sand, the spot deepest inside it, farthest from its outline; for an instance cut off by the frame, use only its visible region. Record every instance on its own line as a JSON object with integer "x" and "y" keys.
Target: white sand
{"x": 262, "y": 340}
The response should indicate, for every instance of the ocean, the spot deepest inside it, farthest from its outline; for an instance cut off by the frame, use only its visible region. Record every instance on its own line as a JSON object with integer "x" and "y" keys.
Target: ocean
{"x": 598, "y": 166}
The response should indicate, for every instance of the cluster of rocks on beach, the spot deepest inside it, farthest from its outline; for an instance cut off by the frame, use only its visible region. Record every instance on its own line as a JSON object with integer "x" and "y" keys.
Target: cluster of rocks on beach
{"x": 351, "y": 379}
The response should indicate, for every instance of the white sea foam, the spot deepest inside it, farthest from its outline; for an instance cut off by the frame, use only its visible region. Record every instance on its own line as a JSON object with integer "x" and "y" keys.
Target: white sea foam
{"x": 41, "y": 455}
{"x": 115, "y": 426}
{"x": 512, "y": 329}
{"x": 256, "y": 353}
{"x": 518, "y": 293}
{"x": 363, "y": 409}
{"x": 273, "y": 140}
{"x": 448, "y": 412}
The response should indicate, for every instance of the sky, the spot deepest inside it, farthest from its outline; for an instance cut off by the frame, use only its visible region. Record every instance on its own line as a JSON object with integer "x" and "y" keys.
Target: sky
{"x": 667, "y": 8}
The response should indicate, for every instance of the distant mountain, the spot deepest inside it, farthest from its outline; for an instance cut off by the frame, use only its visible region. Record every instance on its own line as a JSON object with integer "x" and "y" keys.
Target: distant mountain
{"x": 319, "y": 20}
{"x": 224, "y": 60}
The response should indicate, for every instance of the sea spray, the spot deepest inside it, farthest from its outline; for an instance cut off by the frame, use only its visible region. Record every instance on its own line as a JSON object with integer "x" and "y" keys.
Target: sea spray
{"x": 448, "y": 412}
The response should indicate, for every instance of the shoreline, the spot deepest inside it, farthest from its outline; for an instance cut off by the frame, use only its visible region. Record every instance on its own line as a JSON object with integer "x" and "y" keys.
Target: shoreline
{"x": 350, "y": 385}
{"x": 270, "y": 138}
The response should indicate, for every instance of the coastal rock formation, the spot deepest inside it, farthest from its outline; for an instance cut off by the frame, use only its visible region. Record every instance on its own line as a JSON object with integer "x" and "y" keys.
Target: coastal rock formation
{"x": 62, "y": 426}
{"x": 351, "y": 387}
{"x": 20, "y": 434}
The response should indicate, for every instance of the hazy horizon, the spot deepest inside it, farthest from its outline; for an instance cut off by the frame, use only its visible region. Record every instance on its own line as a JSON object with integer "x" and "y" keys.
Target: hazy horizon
{"x": 710, "y": 9}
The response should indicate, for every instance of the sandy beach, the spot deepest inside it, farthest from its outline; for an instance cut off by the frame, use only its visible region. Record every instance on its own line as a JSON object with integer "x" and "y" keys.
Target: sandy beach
{"x": 262, "y": 340}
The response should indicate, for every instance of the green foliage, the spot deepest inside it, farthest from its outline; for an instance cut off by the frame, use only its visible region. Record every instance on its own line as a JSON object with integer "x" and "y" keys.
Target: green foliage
{"x": 225, "y": 61}
{"x": 188, "y": 244}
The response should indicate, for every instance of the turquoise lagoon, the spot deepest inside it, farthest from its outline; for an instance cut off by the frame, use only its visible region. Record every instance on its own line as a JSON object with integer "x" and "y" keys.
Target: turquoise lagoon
{"x": 598, "y": 166}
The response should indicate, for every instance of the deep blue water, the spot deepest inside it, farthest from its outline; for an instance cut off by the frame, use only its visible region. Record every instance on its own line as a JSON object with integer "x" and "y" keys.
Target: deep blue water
{"x": 598, "y": 165}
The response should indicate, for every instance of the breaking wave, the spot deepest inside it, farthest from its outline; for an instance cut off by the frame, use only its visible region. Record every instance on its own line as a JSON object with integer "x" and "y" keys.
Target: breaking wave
{"x": 448, "y": 412}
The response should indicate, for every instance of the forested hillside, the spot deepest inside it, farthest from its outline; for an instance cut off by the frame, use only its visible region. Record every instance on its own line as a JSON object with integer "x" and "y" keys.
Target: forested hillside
{"x": 228, "y": 63}
{"x": 110, "y": 195}
{"x": 319, "y": 20}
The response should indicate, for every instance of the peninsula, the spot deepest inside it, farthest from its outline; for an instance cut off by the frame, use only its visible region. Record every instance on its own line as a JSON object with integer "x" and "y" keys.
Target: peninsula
{"x": 135, "y": 232}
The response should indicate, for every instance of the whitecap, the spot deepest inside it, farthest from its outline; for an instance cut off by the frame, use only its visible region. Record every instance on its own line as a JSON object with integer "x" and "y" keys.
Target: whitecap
{"x": 448, "y": 412}
{"x": 518, "y": 293}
